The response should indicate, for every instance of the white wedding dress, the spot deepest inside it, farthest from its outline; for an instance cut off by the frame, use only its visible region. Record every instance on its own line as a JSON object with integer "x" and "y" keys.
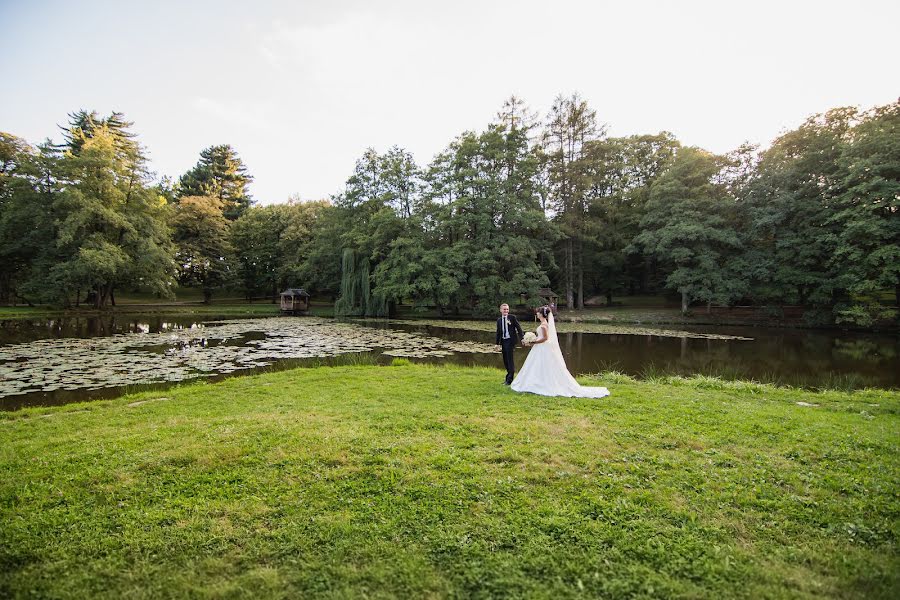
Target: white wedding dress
{"x": 545, "y": 371}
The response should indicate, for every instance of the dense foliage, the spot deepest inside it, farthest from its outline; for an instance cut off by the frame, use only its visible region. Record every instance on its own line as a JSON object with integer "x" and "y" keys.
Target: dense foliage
{"x": 495, "y": 216}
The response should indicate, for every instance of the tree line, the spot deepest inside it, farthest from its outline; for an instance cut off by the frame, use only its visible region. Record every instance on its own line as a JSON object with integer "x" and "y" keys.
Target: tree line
{"x": 495, "y": 216}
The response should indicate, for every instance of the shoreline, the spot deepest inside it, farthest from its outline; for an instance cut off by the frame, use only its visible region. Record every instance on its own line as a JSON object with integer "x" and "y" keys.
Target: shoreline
{"x": 637, "y": 316}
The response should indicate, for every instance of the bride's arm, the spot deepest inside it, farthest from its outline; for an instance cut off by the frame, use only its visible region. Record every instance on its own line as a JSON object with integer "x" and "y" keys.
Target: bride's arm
{"x": 543, "y": 336}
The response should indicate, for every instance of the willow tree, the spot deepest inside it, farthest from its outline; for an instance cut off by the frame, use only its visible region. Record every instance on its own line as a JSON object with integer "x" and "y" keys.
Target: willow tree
{"x": 356, "y": 291}
{"x": 377, "y": 205}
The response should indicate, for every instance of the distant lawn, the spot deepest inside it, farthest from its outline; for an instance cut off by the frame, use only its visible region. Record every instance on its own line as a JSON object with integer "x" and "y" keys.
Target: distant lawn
{"x": 627, "y": 314}
{"x": 191, "y": 309}
{"x": 25, "y": 312}
{"x": 417, "y": 481}
{"x": 224, "y": 308}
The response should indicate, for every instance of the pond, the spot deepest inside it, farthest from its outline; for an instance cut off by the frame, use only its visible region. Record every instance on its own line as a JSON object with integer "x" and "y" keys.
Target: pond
{"x": 54, "y": 361}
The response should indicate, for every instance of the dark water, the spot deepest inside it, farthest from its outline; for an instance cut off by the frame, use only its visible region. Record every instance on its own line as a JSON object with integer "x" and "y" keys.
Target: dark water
{"x": 807, "y": 358}
{"x": 787, "y": 356}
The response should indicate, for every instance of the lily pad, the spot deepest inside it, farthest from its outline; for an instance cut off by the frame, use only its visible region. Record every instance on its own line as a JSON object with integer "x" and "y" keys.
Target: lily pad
{"x": 181, "y": 354}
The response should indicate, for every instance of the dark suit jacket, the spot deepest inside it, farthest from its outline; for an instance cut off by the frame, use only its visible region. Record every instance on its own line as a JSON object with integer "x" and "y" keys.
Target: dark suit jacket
{"x": 515, "y": 330}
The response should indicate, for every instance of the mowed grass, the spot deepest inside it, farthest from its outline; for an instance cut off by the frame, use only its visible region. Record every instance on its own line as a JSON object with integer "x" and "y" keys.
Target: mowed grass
{"x": 236, "y": 309}
{"x": 418, "y": 481}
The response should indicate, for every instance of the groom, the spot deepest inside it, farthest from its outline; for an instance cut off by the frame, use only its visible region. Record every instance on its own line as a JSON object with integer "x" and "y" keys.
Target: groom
{"x": 509, "y": 332}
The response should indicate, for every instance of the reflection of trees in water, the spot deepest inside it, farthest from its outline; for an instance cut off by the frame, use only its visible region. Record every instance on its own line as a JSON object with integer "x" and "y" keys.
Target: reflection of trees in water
{"x": 28, "y": 330}
{"x": 808, "y": 359}
{"x": 792, "y": 360}
{"x": 864, "y": 350}
{"x": 794, "y": 357}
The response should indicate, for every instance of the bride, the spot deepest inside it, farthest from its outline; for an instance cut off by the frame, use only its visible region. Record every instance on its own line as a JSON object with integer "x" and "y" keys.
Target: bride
{"x": 544, "y": 371}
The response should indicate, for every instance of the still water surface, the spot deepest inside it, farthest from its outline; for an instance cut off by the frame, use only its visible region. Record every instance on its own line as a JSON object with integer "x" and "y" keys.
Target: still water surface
{"x": 162, "y": 349}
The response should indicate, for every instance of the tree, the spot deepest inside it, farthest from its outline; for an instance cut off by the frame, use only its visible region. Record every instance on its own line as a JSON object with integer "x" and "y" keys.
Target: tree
{"x": 221, "y": 174}
{"x": 689, "y": 222}
{"x": 112, "y": 228}
{"x": 318, "y": 264}
{"x": 377, "y": 204}
{"x": 866, "y": 215}
{"x": 83, "y": 125}
{"x": 570, "y": 126}
{"x": 204, "y": 251}
{"x": 256, "y": 239}
{"x": 272, "y": 243}
{"x": 26, "y": 217}
{"x": 790, "y": 202}
{"x": 487, "y": 239}
{"x": 620, "y": 172}
{"x": 400, "y": 181}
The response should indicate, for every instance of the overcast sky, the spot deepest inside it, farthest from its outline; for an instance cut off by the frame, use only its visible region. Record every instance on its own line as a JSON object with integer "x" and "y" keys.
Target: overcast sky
{"x": 301, "y": 89}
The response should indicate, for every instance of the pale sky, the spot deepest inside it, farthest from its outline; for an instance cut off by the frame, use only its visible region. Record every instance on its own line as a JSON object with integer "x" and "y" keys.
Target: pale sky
{"x": 301, "y": 89}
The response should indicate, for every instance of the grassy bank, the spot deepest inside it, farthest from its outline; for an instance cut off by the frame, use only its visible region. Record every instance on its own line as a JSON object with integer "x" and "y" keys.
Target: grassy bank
{"x": 636, "y": 313}
{"x": 22, "y": 312}
{"x": 416, "y": 481}
{"x": 224, "y": 309}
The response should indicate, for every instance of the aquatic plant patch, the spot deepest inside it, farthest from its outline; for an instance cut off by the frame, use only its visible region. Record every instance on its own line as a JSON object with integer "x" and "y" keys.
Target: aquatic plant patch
{"x": 571, "y": 327}
{"x": 222, "y": 347}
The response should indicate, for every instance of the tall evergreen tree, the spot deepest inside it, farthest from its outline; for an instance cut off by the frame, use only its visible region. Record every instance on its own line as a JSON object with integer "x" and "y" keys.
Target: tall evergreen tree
{"x": 570, "y": 125}
{"x": 83, "y": 124}
{"x": 220, "y": 173}
{"x": 112, "y": 228}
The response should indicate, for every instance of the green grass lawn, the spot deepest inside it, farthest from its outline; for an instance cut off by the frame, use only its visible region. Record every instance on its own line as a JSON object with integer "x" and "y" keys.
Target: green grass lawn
{"x": 416, "y": 481}
{"x": 236, "y": 309}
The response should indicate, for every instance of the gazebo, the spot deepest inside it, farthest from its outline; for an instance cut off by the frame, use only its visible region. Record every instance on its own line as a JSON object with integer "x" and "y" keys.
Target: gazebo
{"x": 549, "y": 297}
{"x": 294, "y": 301}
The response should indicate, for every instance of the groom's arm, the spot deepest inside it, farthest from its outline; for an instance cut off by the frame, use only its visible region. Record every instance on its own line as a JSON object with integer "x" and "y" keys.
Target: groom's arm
{"x": 518, "y": 328}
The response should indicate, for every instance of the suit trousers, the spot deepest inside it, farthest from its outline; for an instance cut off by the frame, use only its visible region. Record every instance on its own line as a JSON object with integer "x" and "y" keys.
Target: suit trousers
{"x": 508, "y": 346}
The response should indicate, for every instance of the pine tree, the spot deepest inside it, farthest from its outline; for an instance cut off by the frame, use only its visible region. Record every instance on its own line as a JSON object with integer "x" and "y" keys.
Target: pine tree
{"x": 220, "y": 173}
{"x": 570, "y": 126}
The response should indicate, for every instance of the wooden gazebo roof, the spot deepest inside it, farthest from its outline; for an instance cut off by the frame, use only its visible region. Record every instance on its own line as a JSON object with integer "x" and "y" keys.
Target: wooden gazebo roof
{"x": 295, "y": 292}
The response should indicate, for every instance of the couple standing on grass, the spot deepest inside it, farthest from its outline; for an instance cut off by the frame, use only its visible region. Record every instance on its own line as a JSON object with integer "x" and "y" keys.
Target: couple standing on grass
{"x": 544, "y": 371}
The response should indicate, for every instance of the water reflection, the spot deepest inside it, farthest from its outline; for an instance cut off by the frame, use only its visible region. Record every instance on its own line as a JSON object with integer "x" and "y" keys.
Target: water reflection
{"x": 795, "y": 357}
{"x": 32, "y": 370}
{"x": 27, "y": 330}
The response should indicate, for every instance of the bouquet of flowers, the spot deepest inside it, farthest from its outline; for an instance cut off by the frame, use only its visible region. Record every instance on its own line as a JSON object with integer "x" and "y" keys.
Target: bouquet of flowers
{"x": 529, "y": 338}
